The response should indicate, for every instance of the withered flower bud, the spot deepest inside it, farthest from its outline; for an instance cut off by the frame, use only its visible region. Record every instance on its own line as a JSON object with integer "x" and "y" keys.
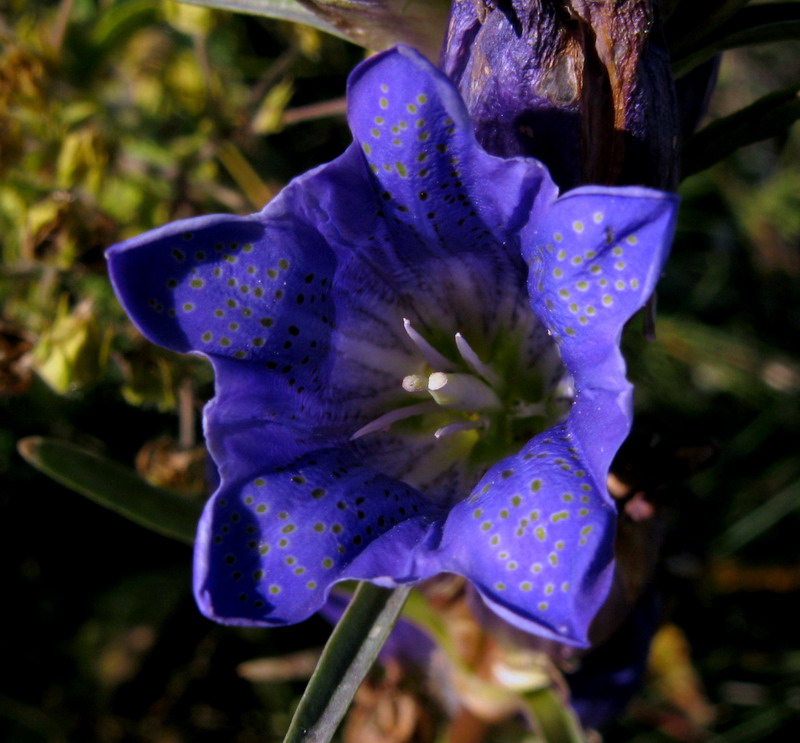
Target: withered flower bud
{"x": 583, "y": 85}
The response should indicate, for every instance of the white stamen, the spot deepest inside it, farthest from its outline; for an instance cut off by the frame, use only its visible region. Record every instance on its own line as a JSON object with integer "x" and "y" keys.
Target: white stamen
{"x": 415, "y": 383}
{"x": 432, "y": 356}
{"x": 462, "y": 392}
{"x": 384, "y": 421}
{"x": 452, "y": 428}
{"x": 474, "y": 362}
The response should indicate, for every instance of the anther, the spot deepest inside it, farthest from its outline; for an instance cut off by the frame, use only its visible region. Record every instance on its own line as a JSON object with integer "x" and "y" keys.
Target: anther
{"x": 415, "y": 383}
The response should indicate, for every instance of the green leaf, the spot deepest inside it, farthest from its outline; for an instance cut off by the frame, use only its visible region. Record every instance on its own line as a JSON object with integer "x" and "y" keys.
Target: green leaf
{"x": 767, "y": 117}
{"x": 759, "y": 521}
{"x": 349, "y": 654}
{"x": 752, "y": 25}
{"x": 284, "y": 10}
{"x": 114, "y": 486}
{"x": 419, "y": 23}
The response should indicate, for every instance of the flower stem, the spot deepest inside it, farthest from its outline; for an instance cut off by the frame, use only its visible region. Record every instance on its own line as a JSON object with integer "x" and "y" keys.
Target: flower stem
{"x": 346, "y": 659}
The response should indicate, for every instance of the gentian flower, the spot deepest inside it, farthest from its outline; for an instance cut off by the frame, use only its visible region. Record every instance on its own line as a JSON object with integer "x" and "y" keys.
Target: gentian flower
{"x": 416, "y": 350}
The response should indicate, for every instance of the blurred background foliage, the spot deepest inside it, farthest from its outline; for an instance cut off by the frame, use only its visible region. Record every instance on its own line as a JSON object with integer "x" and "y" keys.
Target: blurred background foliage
{"x": 117, "y": 116}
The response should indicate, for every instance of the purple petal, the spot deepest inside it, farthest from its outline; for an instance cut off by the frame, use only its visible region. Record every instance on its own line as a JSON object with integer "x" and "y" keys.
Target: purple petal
{"x": 440, "y": 190}
{"x": 270, "y": 547}
{"x": 536, "y": 538}
{"x": 595, "y": 260}
{"x": 237, "y": 288}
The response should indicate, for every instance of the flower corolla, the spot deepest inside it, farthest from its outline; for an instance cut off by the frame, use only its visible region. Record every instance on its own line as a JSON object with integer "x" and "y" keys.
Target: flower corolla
{"x": 416, "y": 350}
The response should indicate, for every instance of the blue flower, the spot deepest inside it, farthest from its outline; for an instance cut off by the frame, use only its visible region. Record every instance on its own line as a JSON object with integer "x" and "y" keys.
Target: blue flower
{"x": 416, "y": 350}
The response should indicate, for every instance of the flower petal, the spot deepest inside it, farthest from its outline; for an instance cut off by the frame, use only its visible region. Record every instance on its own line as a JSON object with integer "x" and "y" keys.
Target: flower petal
{"x": 301, "y": 310}
{"x": 596, "y": 257}
{"x": 309, "y": 295}
{"x": 595, "y": 260}
{"x": 270, "y": 547}
{"x": 256, "y": 295}
{"x": 230, "y": 287}
{"x": 536, "y": 539}
{"x": 434, "y": 178}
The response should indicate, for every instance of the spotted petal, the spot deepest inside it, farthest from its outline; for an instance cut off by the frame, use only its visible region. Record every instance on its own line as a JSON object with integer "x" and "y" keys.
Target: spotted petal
{"x": 596, "y": 256}
{"x": 271, "y": 546}
{"x": 419, "y": 142}
{"x": 307, "y": 298}
{"x": 595, "y": 260}
{"x": 535, "y": 538}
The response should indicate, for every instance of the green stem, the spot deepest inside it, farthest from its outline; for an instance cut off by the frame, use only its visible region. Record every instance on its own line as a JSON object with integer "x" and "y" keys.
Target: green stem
{"x": 346, "y": 659}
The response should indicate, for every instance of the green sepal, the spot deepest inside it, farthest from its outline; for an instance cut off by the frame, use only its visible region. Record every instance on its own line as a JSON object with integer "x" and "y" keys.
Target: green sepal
{"x": 350, "y": 652}
{"x": 114, "y": 486}
{"x": 767, "y": 117}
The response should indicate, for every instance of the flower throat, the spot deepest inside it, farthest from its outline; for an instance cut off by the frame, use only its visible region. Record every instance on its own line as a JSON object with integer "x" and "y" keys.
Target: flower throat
{"x": 487, "y": 409}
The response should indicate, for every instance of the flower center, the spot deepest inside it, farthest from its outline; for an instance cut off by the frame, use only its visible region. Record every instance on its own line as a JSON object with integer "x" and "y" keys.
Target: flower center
{"x": 490, "y": 407}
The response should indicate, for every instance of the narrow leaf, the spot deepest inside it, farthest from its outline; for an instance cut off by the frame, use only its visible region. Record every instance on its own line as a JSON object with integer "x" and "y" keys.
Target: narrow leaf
{"x": 767, "y": 117}
{"x": 756, "y": 24}
{"x": 283, "y": 10}
{"x": 373, "y": 25}
{"x": 686, "y": 26}
{"x": 351, "y": 650}
{"x": 113, "y": 486}
{"x": 759, "y": 521}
